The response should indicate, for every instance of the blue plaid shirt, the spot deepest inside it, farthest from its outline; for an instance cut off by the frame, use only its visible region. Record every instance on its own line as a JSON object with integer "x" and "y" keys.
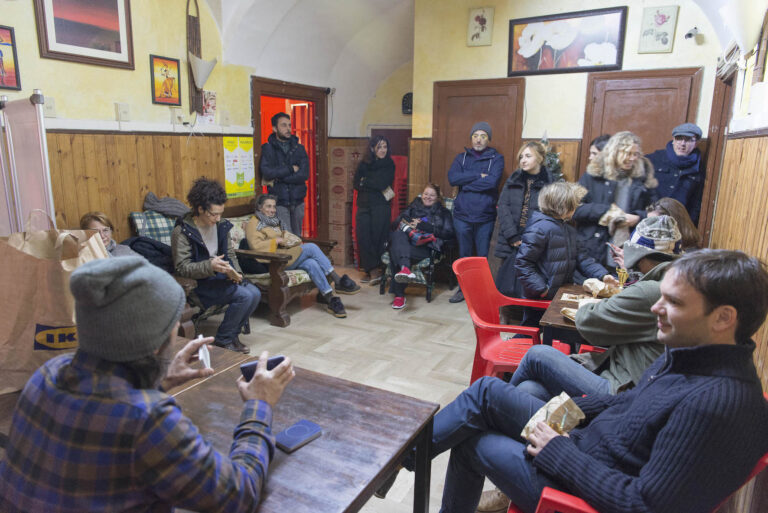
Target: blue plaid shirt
{"x": 84, "y": 439}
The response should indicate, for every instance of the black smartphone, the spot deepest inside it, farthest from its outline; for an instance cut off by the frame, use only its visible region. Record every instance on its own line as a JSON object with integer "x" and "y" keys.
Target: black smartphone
{"x": 297, "y": 435}
{"x": 249, "y": 369}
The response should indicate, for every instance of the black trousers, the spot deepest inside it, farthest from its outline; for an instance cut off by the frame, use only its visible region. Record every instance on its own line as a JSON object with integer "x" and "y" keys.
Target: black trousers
{"x": 403, "y": 253}
{"x": 372, "y": 230}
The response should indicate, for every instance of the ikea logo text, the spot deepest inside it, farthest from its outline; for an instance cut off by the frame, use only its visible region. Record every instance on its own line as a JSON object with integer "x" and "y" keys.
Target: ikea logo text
{"x": 52, "y": 338}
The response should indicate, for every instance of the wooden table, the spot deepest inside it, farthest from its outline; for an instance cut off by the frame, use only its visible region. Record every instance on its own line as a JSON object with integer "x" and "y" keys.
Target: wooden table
{"x": 366, "y": 434}
{"x": 552, "y": 317}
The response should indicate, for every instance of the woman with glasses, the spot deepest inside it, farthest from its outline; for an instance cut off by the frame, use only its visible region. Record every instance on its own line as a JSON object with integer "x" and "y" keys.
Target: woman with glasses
{"x": 101, "y": 223}
{"x": 620, "y": 184}
{"x": 202, "y": 250}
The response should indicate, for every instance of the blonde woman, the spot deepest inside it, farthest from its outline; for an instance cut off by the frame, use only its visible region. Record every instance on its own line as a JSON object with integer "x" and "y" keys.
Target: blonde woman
{"x": 101, "y": 223}
{"x": 619, "y": 175}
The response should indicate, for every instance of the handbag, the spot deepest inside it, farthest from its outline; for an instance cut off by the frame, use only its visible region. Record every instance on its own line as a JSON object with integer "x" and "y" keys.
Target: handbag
{"x": 388, "y": 193}
{"x": 38, "y": 309}
{"x": 416, "y": 237}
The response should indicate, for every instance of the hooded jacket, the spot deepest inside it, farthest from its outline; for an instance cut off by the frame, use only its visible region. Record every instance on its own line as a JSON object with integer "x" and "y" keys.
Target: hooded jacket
{"x": 476, "y": 200}
{"x": 290, "y": 187}
{"x": 510, "y": 208}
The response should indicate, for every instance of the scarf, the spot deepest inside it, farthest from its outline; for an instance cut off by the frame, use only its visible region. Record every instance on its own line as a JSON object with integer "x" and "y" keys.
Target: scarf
{"x": 690, "y": 161}
{"x": 272, "y": 222}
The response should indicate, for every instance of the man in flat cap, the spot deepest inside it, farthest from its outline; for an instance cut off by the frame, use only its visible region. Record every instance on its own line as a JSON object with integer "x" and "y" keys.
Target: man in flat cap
{"x": 94, "y": 430}
{"x": 679, "y": 169}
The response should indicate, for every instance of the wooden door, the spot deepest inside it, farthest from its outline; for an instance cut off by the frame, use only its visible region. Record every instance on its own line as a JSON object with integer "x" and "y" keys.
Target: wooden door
{"x": 460, "y": 104}
{"x": 649, "y": 103}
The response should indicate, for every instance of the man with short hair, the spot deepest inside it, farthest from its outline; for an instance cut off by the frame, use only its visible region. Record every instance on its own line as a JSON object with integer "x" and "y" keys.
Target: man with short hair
{"x": 92, "y": 431}
{"x": 285, "y": 164}
{"x": 679, "y": 169}
{"x": 476, "y": 172}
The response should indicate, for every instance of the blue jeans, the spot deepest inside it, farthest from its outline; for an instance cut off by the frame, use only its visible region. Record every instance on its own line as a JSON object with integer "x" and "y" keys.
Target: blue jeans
{"x": 469, "y": 235}
{"x": 482, "y": 428}
{"x": 317, "y": 265}
{"x": 545, "y": 372}
{"x": 242, "y": 301}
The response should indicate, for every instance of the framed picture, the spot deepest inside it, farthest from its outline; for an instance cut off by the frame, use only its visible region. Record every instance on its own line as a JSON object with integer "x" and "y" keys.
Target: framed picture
{"x": 87, "y": 31}
{"x": 657, "y": 33}
{"x": 567, "y": 43}
{"x": 480, "y": 26}
{"x": 166, "y": 80}
{"x": 9, "y": 62}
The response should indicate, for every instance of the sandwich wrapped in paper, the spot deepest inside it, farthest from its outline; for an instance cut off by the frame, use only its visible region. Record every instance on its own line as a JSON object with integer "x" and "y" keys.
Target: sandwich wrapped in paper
{"x": 560, "y": 413}
{"x": 599, "y": 288}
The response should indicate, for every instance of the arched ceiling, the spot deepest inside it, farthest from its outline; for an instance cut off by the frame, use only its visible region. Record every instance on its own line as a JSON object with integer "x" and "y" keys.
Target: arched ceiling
{"x": 349, "y": 45}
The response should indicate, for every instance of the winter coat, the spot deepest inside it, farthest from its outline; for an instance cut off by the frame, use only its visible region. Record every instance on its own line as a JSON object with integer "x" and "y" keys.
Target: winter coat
{"x": 371, "y": 178}
{"x": 685, "y": 183}
{"x": 600, "y": 194}
{"x": 548, "y": 257}
{"x": 510, "y": 208}
{"x": 290, "y": 187}
{"x": 476, "y": 200}
{"x": 438, "y": 221}
{"x": 260, "y": 239}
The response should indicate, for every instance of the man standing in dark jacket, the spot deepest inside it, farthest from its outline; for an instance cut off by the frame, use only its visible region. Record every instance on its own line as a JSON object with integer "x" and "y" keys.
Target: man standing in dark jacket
{"x": 284, "y": 162}
{"x": 679, "y": 169}
{"x": 476, "y": 172}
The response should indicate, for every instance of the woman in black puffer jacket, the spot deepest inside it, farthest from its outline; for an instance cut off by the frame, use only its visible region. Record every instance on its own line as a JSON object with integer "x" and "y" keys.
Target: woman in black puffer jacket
{"x": 433, "y": 222}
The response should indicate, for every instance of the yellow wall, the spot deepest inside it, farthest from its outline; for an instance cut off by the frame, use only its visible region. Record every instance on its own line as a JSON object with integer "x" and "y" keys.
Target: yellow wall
{"x": 385, "y": 108}
{"x": 554, "y": 103}
{"x": 89, "y": 92}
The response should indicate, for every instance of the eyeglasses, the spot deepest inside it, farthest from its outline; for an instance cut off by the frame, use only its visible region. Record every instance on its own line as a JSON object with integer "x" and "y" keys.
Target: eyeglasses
{"x": 213, "y": 215}
{"x": 104, "y": 231}
{"x": 480, "y": 136}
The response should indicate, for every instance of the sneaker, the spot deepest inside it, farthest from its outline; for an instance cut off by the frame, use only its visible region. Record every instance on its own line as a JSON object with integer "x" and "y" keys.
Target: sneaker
{"x": 458, "y": 297}
{"x": 366, "y": 278}
{"x": 493, "y": 501}
{"x": 347, "y": 286}
{"x": 336, "y": 308}
{"x": 404, "y": 275}
{"x": 376, "y": 275}
{"x": 398, "y": 303}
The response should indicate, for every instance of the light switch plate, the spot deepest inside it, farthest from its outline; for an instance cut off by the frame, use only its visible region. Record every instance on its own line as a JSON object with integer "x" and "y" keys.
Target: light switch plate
{"x": 177, "y": 116}
{"x": 122, "y": 112}
{"x": 49, "y": 107}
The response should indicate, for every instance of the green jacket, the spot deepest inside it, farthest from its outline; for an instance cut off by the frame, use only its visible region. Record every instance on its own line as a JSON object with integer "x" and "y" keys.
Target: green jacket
{"x": 625, "y": 324}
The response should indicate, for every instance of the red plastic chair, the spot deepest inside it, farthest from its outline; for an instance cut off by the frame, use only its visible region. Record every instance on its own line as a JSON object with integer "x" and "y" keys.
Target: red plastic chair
{"x": 553, "y": 501}
{"x": 493, "y": 356}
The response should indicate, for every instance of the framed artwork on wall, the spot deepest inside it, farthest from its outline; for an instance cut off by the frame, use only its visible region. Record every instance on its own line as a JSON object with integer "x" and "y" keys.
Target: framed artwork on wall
{"x": 9, "y": 62}
{"x": 165, "y": 75}
{"x": 480, "y": 26}
{"x": 657, "y": 33}
{"x": 572, "y": 42}
{"x": 86, "y": 31}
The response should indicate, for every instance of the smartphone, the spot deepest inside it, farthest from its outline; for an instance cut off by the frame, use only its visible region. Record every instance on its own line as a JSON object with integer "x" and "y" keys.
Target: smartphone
{"x": 613, "y": 248}
{"x": 297, "y": 435}
{"x": 249, "y": 369}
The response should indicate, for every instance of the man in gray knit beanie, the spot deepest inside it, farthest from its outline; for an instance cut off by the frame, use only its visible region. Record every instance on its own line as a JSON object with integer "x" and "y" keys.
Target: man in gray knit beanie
{"x": 92, "y": 428}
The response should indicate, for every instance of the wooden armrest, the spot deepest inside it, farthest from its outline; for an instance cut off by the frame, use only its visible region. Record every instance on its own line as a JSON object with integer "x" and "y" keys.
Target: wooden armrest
{"x": 325, "y": 245}
{"x": 188, "y": 284}
{"x": 271, "y": 257}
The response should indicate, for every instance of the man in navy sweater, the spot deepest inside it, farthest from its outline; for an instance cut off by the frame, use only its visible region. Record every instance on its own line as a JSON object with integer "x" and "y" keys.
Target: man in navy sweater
{"x": 683, "y": 439}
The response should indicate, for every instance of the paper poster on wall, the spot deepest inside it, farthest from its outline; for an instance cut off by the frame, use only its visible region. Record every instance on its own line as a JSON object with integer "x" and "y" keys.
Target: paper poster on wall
{"x": 239, "y": 171}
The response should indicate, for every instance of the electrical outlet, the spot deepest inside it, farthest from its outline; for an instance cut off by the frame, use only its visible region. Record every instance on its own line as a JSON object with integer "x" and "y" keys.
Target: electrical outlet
{"x": 224, "y": 119}
{"x": 122, "y": 112}
{"x": 49, "y": 107}
{"x": 177, "y": 116}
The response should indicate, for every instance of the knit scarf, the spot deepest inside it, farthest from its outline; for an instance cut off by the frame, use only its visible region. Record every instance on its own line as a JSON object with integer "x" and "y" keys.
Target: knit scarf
{"x": 266, "y": 221}
{"x": 690, "y": 161}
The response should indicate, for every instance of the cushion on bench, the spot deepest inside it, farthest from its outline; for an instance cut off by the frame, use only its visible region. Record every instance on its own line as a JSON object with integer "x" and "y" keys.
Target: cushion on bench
{"x": 153, "y": 225}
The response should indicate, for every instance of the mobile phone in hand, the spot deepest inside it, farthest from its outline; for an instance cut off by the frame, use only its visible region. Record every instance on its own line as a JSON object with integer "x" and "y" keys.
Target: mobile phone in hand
{"x": 249, "y": 369}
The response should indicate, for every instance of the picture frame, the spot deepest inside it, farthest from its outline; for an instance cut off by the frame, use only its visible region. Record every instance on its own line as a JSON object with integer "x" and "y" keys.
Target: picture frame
{"x": 76, "y": 31}
{"x": 9, "y": 60}
{"x": 480, "y": 26}
{"x": 165, "y": 77}
{"x": 573, "y": 42}
{"x": 657, "y": 31}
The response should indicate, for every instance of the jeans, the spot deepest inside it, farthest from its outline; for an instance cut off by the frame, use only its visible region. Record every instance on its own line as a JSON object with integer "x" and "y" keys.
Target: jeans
{"x": 545, "y": 372}
{"x": 317, "y": 265}
{"x": 482, "y": 428}
{"x": 242, "y": 301}
{"x": 473, "y": 234}
{"x": 292, "y": 217}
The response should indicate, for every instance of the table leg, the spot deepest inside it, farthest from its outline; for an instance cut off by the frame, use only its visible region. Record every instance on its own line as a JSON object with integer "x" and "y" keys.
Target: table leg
{"x": 423, "y": 470}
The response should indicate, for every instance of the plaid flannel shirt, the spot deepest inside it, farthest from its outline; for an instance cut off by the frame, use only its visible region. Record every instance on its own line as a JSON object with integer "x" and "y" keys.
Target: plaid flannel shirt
{"x": 84, "y": 439}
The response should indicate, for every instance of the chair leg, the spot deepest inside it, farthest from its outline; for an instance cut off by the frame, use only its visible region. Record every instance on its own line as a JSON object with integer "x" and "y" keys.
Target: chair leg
{"x": 383, "y": 282}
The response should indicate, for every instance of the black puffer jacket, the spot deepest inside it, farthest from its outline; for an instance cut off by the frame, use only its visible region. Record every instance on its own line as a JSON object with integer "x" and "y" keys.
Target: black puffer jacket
{"x": 371, "y": 178}
{"x": 290, "y": 187}
{"x": 436, "y": 220}
{"x": 510, "y": 208}
{"x": 548, "y": 257}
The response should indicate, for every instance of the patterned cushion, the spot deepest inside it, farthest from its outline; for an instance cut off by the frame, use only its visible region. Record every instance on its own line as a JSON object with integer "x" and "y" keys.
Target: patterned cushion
{"x": 295, "y": 277}
{"x": 417, "y": 268}
{"x": 153, "y": 225}
{"x": 237, "y": 233}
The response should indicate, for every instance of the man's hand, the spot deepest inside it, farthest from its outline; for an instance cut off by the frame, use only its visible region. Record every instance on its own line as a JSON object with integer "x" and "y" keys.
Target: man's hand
{"x": 540, "y": 437}
{"x": 617, "y": 254}
{"x": 219, "y": 265}
{"x": 180, "y": 369}
{"x": 266, "y": 385}
{"x": 234, "y": 275}
{"x": 632, "y": 219}
{"x": 295, "y": 168}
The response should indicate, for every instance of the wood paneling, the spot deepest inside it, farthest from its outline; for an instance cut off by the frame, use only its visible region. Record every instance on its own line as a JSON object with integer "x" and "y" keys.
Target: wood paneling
{"x": 569, "y": 157}
{"x": 418, "y": 166}
{"x": 113, "y": 172}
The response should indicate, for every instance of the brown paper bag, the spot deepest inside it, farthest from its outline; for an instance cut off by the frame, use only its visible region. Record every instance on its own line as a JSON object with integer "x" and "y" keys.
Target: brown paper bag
{"x": 37, "y": 311}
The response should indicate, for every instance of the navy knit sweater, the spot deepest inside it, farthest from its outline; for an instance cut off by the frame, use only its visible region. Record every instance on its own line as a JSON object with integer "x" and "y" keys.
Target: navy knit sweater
{"x": 682, "y": 440}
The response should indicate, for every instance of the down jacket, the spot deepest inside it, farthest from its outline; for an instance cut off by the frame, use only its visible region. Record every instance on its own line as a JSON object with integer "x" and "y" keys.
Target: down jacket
{"x": 476, "y": 200}
{"x": 510, "y": 208}
{"x": 290, "y": 187}
{"x": 436, "y": 220}
{"x": 548, "y": 257}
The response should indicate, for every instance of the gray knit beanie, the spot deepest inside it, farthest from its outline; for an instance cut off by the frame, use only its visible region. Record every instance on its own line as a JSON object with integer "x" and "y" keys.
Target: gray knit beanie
{"x": 125, "y": 307}
{"x": 481, "y": 125}
{"x": 656, "y": 236}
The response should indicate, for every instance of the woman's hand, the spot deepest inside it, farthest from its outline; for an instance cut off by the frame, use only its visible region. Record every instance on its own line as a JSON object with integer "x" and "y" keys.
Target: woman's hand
{"x": 234, "y": 275}
{"x": 617, "y": 254}
{"x": 540, "y": 437}
{"x": 632, "y": 219}
{"x": 414, "y": 223}
{"x": 517, "y": 244}
{"x": 219, "y": 265}
{"x": 279, "y": 240}
{"x": 608, "y": 279}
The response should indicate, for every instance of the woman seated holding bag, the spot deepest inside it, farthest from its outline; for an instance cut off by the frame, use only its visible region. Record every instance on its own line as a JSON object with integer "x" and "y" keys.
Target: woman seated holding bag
{"x": 100, "y": 222}
{"x": 421, "y": 227}
{"x": 265, "y": 232}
